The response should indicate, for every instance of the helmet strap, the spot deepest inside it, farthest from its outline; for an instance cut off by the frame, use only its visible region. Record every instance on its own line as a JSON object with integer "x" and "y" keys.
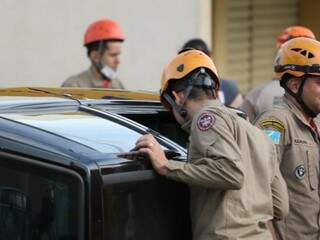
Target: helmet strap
{"x": 298, "y": 96}
{"x": 206, "y": 82}
{"x": 179, "y": 109}
{"x": 98, "y": 65}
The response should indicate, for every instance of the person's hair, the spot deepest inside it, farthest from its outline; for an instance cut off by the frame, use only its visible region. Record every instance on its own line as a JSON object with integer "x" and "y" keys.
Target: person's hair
{"x": 96, "y": 46}
{"x": 198, "y": 44}
{"x": 196, "y": 93}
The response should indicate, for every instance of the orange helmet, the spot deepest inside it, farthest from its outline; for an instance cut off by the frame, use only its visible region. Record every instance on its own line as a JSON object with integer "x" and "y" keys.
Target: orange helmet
{"x": 103, "y": 30}
{"x": 298, "y": 57}
{"x": 293, "y": 32}
{"x": 183, "y": 64}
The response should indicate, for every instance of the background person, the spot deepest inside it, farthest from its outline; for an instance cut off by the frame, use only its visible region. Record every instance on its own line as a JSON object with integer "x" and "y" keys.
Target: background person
{"x": 291, "y": 126}
{"x": 103, "y": 40}
{"x": 266, "y": 96}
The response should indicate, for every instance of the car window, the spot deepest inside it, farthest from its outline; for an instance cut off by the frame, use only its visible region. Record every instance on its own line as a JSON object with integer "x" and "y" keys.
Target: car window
{"x": 37, "y": 203}
{"x": 156, "y": 209}
{"x": 98, "y": 133}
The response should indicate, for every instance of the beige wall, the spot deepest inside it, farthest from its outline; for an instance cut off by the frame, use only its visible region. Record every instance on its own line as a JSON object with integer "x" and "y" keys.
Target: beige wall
{"x": 41, "y": 40}
{"x": 309, "y": 15}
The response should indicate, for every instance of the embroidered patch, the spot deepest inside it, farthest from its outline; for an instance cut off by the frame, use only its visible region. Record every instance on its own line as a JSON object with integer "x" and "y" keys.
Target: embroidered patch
{"x": 273, "y": 124}
{"x": 300, "y": 172}
{"x": 303, "y": 142}
{"x": 274, "y": 136}
{"x": 205, "y": 121}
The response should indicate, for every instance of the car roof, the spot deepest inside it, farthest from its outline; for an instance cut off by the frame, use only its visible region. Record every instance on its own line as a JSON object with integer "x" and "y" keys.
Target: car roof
{"x": 79, "y": 93}
{"x": 22, "y": 138}
{"x": 107, "y": 99}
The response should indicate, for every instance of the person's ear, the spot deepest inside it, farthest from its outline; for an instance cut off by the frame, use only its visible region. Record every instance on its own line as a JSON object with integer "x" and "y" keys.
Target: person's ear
{"x": 294, "y": 84}
{"x": 94, "y": 56}
{"x": 178, "y": 97}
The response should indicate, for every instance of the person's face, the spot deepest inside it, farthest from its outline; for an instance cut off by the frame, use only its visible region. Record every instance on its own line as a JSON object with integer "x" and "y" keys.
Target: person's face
{"x": 311, "y": 93}
{"x": 111, "y": 56}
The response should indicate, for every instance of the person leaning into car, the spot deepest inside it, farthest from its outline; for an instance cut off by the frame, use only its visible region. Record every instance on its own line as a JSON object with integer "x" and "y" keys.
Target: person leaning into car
{"x": 232, "y": 170}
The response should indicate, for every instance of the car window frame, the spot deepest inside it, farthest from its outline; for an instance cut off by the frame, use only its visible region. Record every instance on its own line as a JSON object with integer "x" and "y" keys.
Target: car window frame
{"x": 114, "y": 117}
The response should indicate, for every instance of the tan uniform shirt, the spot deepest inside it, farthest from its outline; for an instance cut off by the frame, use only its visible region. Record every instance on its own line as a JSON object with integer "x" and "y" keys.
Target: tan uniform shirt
{"x": 262, "y": 98}
{"x": 234, "y": 178}
{"x": 90, "y": 79}
{"x": 298, "y": 148}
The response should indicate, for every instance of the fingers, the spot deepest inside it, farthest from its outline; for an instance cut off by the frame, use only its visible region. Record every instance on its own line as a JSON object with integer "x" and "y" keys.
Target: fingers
{"x": 144, "y": 144}
{"x": 147, "y": 137}
{"x": 145, "y": 151}
{"x": 146, "y": 141}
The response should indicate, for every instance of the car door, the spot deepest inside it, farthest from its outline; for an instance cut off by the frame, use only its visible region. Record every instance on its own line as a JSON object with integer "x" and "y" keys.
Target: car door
{"x": 39, "y": 201}
{"x": 141, "y": 205}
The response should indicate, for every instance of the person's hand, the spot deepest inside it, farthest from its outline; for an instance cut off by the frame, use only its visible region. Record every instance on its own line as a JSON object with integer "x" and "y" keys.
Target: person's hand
{"x": 148, "y": 146}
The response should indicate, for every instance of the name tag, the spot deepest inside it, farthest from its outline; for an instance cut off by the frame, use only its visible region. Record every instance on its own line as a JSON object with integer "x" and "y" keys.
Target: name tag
{"x": 303, "y": 142}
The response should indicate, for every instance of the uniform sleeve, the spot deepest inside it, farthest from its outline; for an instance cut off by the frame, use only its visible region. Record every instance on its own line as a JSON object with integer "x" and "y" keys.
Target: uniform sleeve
{"x": 248, "y": 108}
{"x": 116, "y": 84}
{"x": 280, "y": 197}
{"x": 249, "y": 102}
{"x": 219, "y": 164}
{"x": 70, "y": 82}
{"x": 274, "y": 126}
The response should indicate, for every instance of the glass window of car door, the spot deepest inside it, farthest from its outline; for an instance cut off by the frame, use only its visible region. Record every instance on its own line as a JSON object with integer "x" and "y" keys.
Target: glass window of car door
{"x": 101, "y": 134}
{"x": 154, "y": 208}
{"x": 39, "y": 203}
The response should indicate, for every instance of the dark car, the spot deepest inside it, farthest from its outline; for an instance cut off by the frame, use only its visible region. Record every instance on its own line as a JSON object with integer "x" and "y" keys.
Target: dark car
{"x": 65, "y": 171}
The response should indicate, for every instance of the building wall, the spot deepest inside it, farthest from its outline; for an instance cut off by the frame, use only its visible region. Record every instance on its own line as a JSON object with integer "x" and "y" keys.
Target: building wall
{"x": 309, "y": 15}
{"x": 41, "y": 40}
{"x": 244, "y": 37}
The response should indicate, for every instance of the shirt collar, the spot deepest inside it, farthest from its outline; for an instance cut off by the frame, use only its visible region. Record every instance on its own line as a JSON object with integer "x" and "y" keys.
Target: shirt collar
{"x": 295, "y": 109}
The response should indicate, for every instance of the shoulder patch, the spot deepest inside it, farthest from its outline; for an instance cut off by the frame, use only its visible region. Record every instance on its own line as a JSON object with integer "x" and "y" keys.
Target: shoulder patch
{"x": 272, "y": 124}
{"x": 274, "y": 136}
{"x": 205, "y": 121}
{"x": 300, "y": 172}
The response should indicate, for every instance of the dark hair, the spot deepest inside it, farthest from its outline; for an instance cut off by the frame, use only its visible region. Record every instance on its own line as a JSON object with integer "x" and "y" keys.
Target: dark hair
{"x": 197, "y": 92}
{"x": 96, "y": 46}
{"x": 198, "y": 44}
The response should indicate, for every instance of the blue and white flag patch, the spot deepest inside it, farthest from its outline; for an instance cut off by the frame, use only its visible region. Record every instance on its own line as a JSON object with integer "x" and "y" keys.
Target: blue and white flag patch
{"x": 274, "y": 136}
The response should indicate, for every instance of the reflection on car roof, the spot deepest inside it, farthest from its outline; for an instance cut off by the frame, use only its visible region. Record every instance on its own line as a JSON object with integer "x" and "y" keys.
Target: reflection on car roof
{"x": 80, "y": 93}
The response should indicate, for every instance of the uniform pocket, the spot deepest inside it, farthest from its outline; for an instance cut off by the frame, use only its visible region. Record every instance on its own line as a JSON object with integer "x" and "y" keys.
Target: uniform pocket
{"x": 312, "y": 172}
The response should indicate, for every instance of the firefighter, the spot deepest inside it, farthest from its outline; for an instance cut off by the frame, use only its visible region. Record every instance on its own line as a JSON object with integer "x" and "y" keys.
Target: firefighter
{"x": 232, "y": 170}
{"x": 292, "y": 127}
{"x": 103, "y": 40}
{"x": 264, "y": 97}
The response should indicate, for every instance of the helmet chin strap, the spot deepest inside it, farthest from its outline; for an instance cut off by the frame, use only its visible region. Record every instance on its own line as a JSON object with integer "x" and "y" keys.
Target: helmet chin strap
{"x": 298, "y": 96}
{"x": 178, "y": 108}
{"x": 194, "y": 81}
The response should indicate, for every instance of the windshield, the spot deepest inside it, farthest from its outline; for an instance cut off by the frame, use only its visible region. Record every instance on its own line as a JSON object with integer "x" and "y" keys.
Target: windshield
{"x": 98, "y": 133}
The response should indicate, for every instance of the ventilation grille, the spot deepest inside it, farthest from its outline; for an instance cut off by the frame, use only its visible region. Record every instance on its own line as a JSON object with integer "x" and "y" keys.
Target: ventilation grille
{"x": 253, "y": 27}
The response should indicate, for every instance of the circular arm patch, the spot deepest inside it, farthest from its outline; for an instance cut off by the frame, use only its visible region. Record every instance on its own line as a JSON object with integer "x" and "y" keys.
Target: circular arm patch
{"x": 205, "y": 121}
